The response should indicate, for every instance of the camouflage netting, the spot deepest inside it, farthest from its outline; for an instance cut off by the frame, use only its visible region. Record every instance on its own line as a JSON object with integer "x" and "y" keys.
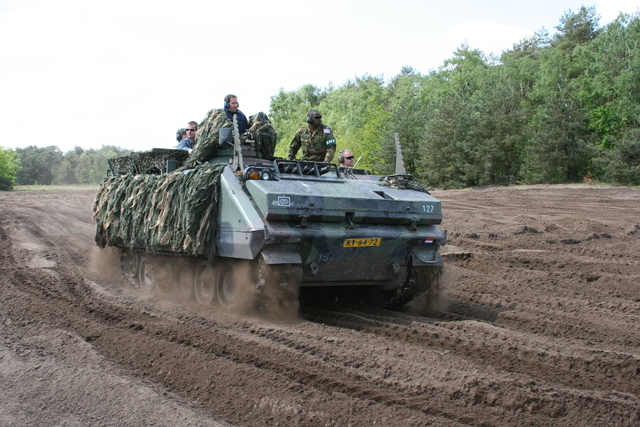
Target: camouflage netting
{"x": 154, "y": 161}
{"x": 216, "y": 119}
{"x": 207, "y": 136}
{"x": 265, "y": 135}
{"x": 176, "y": 210}
{"x": 402, "y": 182}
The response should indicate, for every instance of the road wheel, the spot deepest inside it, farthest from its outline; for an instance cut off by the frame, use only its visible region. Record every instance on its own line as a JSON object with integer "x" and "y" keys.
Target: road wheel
{"x": 375, "y": 296}
{"x": 276, "y": 288}
{"x": 130, "y": 266}
{"x": 228, "y": 287}
{"x": 148, "y": 275}
{"x": 205, "y": 283}
{"x": 347, "y": 294}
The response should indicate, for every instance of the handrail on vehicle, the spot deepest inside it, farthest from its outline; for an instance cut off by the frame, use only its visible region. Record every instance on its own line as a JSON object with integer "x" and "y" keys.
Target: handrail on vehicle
{"x": 304, "y": 169}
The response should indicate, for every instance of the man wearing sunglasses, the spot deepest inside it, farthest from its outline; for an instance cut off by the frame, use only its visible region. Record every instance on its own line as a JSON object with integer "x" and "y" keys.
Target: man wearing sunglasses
{"x": 189, "y": 142}
{"x": 316, "y": 140}
{"x": 346, "y": 158}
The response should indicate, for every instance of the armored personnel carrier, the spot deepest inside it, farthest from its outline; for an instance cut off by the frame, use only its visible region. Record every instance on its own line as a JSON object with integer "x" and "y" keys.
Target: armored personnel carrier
{"x": 229, "y": 223}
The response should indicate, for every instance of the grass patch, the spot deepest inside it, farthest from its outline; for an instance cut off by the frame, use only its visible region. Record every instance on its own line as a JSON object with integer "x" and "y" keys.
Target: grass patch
{"x": 68, "y": 187}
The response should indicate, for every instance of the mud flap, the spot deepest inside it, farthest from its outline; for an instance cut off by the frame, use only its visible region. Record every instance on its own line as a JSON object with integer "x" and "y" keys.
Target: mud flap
{"x": 273, "y": 256}
{"x": 424, "y": 258}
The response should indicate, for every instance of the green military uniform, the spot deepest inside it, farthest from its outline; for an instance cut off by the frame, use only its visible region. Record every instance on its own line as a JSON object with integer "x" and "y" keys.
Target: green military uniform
{"x": 317, "y": 146}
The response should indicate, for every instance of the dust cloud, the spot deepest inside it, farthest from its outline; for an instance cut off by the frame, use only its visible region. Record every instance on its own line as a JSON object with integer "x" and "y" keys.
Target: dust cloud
{"x": 104, "y": 265}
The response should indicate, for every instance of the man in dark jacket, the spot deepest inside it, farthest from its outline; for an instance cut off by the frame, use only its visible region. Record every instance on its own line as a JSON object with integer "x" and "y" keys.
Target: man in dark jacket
{"x": 231, "y": 105}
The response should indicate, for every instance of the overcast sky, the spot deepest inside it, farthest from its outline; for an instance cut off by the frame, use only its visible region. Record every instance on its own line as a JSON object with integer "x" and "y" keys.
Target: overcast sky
{"x": 130, "y": 72}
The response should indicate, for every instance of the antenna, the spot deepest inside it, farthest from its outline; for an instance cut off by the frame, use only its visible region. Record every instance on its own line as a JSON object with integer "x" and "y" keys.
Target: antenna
{"x": 359, "y": 158}
{"x": 238, "y": 163}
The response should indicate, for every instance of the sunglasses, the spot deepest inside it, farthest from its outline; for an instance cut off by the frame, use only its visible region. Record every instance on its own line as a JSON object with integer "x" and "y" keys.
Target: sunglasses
{"x": 349, "y": 158}
{"x": 191, "y": 130}
{"x": 317, "y": 117}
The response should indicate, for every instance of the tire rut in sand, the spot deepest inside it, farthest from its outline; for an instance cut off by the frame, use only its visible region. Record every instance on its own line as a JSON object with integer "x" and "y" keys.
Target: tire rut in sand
{"x": 508, "y": 360}
{"x": 537, "y": 331}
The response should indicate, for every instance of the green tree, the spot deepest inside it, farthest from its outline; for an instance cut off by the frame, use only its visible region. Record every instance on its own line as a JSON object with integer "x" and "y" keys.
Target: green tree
{"x": 609, "y": 86}
{"x": 522, "y": 63}
{"x": 576, "y": 29}
{"x": 374, "y": 132}
{"x": 93, "y": 164}
{"x": 66, "y": 171}
{"x": 289, "y": 111}
{"x": 454, "y": 152}
{"x": 38, "y": 164}
{"x": 622, "y": 163}
{"x": 8, "y": 168}
{"x": 356, "y": 114}
{"x": 502, "y": 126}
{"x": 407, "y": 106}
{"x": 561, "y": 148}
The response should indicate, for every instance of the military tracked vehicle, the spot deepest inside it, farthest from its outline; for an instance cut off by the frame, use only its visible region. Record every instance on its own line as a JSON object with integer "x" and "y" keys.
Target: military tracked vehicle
{"x": 231, "y": 221}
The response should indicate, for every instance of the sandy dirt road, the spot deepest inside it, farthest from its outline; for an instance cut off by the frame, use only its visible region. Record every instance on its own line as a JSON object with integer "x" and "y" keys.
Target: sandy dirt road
{"x": 541, "y": 327}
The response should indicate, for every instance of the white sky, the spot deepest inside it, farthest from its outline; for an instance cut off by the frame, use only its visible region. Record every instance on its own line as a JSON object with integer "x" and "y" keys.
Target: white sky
{"x": 130, "y": 72}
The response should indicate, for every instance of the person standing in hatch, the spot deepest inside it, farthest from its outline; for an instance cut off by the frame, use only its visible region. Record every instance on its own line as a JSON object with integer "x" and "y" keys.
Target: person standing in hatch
{"x": 231, "y": 105}
{"x": 315, "y": 139}
{"x": 345, "y": 158}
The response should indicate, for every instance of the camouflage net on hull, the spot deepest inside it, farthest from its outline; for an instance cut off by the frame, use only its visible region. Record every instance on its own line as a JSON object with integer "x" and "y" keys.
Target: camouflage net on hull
{"x": 265, "y": 135}
{"x": 154, "y": 161}
{"x": 216, "y": 119}
{"x": 175, "y": 211}
{"x": 207, "y": 136}
{"x": 402, "y": 182}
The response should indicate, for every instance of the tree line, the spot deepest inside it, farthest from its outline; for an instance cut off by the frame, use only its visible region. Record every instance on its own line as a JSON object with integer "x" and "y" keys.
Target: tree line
{"x": 561, "y": 107}
{"x": 554, "y": 108}
{"x": 50, "y": 166}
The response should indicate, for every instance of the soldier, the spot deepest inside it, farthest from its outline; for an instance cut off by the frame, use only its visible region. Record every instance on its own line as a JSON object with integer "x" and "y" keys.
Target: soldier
{"x": 316, "y": 140}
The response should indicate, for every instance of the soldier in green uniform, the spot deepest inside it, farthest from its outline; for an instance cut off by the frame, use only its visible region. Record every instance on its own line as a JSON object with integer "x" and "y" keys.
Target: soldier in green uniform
{"x": 316, "y": 140}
